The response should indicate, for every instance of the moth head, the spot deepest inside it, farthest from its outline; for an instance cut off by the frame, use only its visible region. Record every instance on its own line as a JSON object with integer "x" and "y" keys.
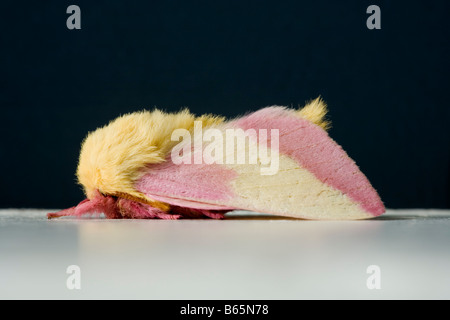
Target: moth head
{"x": 111, "y": 157}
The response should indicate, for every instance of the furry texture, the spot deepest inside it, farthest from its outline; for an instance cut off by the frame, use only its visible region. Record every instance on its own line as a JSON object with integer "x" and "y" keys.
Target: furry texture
{"x": 126, "y": 172}
{"x": 122, "y": 208}
{"x": 315, "y": 111}
{"x": 112, "y": 157}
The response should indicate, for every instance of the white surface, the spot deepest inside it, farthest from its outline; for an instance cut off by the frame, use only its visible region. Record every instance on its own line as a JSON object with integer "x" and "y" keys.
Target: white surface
{"x": 246, "y": 256}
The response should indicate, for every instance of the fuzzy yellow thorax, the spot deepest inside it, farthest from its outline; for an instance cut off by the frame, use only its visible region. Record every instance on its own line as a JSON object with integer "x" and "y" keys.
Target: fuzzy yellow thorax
{"x": 112, "y": 157}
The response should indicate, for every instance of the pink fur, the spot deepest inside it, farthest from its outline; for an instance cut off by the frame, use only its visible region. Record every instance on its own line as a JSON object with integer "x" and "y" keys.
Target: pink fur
{"x": 99, "y": 204}
{"x": 119, "y": 208}
{"x": 317, "y": 152}
{"x": 188, "y": 212}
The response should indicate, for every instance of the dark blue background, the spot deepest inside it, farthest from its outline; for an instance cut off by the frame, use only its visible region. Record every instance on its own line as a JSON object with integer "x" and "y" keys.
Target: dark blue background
{"x": 387, "y": 89}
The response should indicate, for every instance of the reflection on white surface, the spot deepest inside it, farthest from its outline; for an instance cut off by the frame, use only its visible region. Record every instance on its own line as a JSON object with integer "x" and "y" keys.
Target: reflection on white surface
{"x": 242, "y": 257}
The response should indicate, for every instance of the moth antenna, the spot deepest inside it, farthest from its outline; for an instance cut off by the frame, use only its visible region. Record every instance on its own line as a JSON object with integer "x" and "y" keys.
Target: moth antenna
{"x": 97, "y": 205}
{"x": 62, "y": 213}
{"x": 66, "y": 212}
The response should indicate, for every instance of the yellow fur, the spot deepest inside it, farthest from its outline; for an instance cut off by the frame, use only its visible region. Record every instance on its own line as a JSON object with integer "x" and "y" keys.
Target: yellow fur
{"x": 111, "y": 157}
{"x": 315, "y": 111}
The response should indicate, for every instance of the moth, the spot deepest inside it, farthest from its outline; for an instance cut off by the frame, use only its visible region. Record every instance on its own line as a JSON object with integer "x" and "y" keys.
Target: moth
{"x": 279, "y": 160}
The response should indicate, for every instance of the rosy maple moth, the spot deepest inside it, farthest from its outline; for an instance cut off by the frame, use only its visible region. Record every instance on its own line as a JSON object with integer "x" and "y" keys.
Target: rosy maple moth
{"x": 276, "y": 160}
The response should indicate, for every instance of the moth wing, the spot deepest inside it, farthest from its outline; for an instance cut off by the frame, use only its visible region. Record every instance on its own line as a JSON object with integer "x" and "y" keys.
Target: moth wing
{"x": 299, "y": 172}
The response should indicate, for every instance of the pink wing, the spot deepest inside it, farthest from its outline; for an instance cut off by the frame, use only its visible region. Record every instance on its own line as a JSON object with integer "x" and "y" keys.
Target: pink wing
{"x": 316, "y": 179}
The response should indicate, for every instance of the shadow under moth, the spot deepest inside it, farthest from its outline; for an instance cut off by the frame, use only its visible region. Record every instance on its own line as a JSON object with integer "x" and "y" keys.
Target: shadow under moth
{"x": 276, "y": 160}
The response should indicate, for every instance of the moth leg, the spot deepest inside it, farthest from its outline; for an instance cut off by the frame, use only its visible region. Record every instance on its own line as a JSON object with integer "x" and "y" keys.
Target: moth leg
{"x": 192, "y": 213}
{"x": 135, "y": 210}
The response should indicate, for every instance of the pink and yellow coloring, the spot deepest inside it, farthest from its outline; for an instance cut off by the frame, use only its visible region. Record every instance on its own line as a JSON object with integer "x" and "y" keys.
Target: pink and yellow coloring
{"x": 127, "y": 171}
